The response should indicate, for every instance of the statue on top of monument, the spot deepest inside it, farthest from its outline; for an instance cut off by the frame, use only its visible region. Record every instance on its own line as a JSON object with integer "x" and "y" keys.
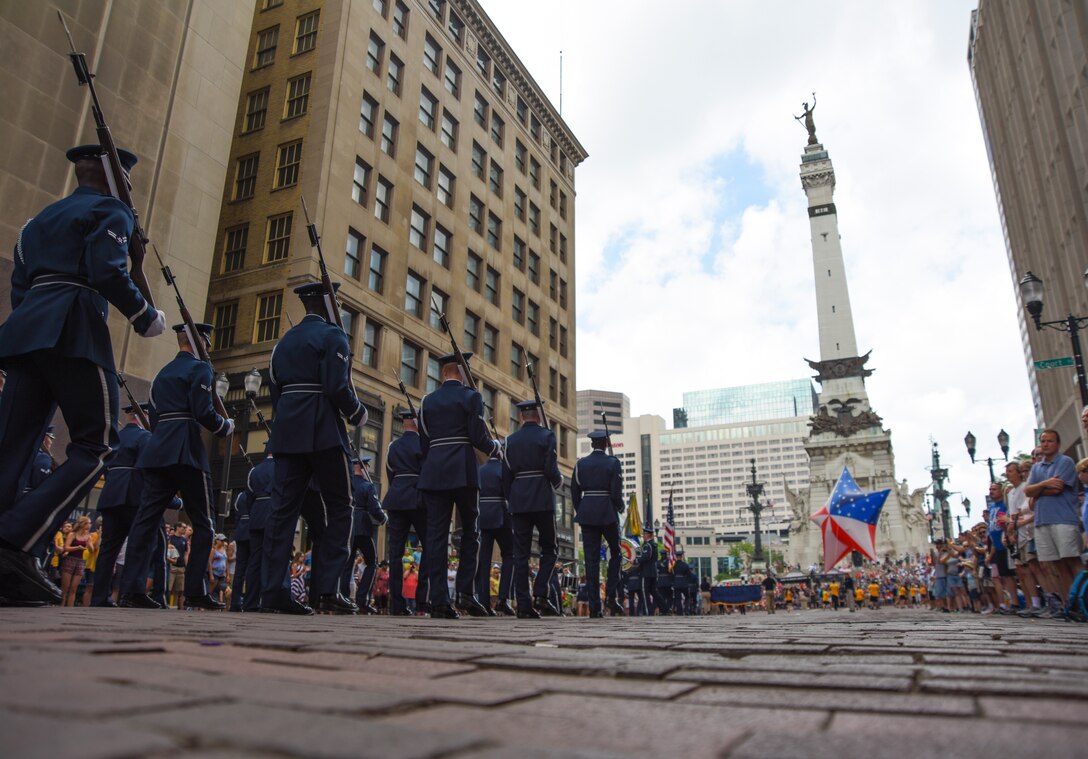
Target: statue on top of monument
{"x": 810, "y": 125}
{"x": 799, "y": 516}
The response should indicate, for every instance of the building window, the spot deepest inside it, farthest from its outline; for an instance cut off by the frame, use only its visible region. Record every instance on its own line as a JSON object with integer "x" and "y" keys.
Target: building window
{"x": 514, "y": 418}
{"x": 519, "y": 155}
{"x": 553, "y": 234}
{"x": 519, "y": 253}
{"x": 562, "y": 293}
{"x": 563, "y": 445}
{"x": 498, "y": 128}
{"x": 353, "y": 257}
{"x": 389, "y": 136}
{"x": 376, "y": 277}
{"x": 516, "y": 361}
{"x": 348, "y": 318}
{"x": 413, "y": 294}
{"x": 306, "y": 32}
{"x": 368, "y": 112}
{"x": 380, "y": 6}
{"x": 434, "y": 374}
{"x": 383, "y": 199}
{"x": 522, "y": 111}
{"x": 562, "y": 391}
{"x": 245, "y": 176}
{"x": 400, "y": 20}
{"x": 437, "y": 6}
{"x": 491, "y": 286}
{"x": 360, "y": 182}
{"x": 472, "y": 271}
{"x": 452, "y": 79}
{"x": 534, "y": 268}
{"x": 268, "y": 317}
{"x": 472, "y": 329}
{"x": 563, "y": 342}
{"x": 268, "y": 4}
{"x": 498, "y": 82}
{"x": 553, "y": 193}
{"x": 409, "y": 363}
{"x": 494, "y": 231}
{"x": 424, "y": 166}
{"x": 432, "y": 55}
{"x": 428, "y": 109}
{"x": 475, "y": 214}
{"x": 563, "y": 205}
{"x": 256, "y": 109}
{"x": 266, "y": 47}
{"x": 393, "y": 75}
{"x": 448, "y": 134}
{"x": 298, "y": 96}
{"x": 553, "y": 284}
{"x": 534, "y": 219}
{"x": 491, "y": 339}
{"x": 442, "y": 239}
{"x": 456, "y": 27}
{"x": 439, "y": 302}
{"x": 534, "y": 172}
{"x": 532, "y": 316}
{"x": 234, "y": 248}
{"x": 495, "y": 177}
{"x": 479, "y": 111}
{"x": 278, "y": 245}
{"x": 226, "y": 317}
{"x": 287, "y": 163}
{"x": 371, "y": 335}
{"x": 488, "y": 395}
{"x": 417, "y": 230}
{"x": 478, "y": 160}
{"x": 553, "y": 331}
{"x": 553, "y": 384}
{"x": 534, "y": 128}
{"x": 517, "y": 305}
{"x": 563, "y": 248}
{"x": 375, "y": 49}
{"x": 483, "y": 63}
{"x": 519, "y": 203}
{"x": 446, "y": 184}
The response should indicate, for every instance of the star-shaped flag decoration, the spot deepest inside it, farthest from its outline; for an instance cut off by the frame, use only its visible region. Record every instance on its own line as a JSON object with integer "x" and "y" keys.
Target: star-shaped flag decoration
{"x": 848, "y": 520}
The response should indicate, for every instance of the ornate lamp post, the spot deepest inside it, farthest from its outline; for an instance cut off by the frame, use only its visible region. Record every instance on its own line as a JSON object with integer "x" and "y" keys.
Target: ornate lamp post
{"x": 1002, "y": 441}
{"x": 1031, "y": 293}
{"x": 252, "y": 383}
{"x": 755, "y": 490}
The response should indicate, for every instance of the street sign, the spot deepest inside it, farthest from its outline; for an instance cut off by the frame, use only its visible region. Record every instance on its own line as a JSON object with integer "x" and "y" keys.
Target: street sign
{"x": 1054, "y": 363}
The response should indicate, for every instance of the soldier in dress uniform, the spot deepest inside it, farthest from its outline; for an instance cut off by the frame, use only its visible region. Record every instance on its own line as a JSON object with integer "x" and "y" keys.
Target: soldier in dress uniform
{"x": 366, "y": 513}
{"x": 632, "y": 583}
{"x": 117, "y": 504}
{"x": 259, "y": 490}
{"x": 312, "y": 395}
{"x": 42, "y": 467}
{"x": 596, "y": 492}
{"x": 70, "y": 262}
{"x": 404, "y": 505}
{"x": 682, "y": 576}
{"x": 241, "y": 549}
{"x": 175, "y": 460}
{"x": 451, "y": 424}
{"x": 664, "y": 596}
{"x": 496, "y": 526}
{"x": 646, "y": 568}
{"x": 530, "y": 480}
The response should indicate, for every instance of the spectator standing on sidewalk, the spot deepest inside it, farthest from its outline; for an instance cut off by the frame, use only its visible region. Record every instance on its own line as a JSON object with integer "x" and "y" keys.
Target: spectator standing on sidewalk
{"x": 1058, "y": 539}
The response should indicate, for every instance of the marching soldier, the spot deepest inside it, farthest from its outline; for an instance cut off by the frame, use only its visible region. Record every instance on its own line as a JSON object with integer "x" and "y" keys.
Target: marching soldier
{"x": 646, "y": 569}
{"x": 664, "y": 595}
{"x": 312, "y": 394}
{"x": 70, "y": 262}
{"x": 241, "y": 549}
{"x": 174, "y": 460}
{"x": 259, "y": 490}
{"x": 451, "y": 424}
{"x": 366, "y": 512}
{"x": 496, "y": 526}
{"x": 682, "y": 577}
{"x": 596, "y": 492}
{"x": 404, "y": 506}
{"x": 530, "y": 479}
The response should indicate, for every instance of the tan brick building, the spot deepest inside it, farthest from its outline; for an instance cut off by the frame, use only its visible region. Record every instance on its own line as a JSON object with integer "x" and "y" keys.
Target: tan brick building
{"x": 434, "y": 167}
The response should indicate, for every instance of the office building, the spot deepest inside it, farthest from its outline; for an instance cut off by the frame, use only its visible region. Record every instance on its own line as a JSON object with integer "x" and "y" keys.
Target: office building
{"x": 747, "y": 403}
{"x": 592, "y": 403}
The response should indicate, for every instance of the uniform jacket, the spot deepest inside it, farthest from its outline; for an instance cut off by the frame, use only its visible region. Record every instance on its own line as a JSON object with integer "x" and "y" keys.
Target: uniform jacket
{"x": 403, "y": 461}
{"x": 664, "y": 576}
{"x": 494, "y": 510}
{"x": 451, "y": 424}
{"x": 646, "y": 562}
{"x": 366, "y": 510}
{"x": 124, "y": 482}
{"x": 71, "y": 260}
{"x": 259, "y": 487}
{"x": 311, "y": 389}
{"x": 532, "y": 471}
{"x": 596, "y": 489}
{"x": 241, "y": 516}
{"x": 181, "y": 403}
{"x": 40, "y": 468}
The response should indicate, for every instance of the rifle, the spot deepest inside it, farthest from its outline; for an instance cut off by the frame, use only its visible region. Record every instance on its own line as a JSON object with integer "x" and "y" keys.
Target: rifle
{"x": 604, "y": 421}
{"x": 137, "y": 409}
{"x": 404, "y": 392}
{"x": 116, "y": 176}
{"x": 453, "y": 341}
{"x": 331, "y": 306}
{"x": 536, "y": 394}
{"x": 195, "y": 340}
{"x": 260, "y": 416}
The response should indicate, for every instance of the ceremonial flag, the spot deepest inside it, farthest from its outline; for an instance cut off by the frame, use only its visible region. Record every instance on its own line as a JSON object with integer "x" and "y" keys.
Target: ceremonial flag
{"x": 632, "y": 528}
{"x": 669, "y": 534}
{"x": 848, "y": 520}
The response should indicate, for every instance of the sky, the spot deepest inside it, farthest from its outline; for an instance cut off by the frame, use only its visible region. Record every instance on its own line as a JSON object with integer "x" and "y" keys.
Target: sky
{"x": 694, "y": 262}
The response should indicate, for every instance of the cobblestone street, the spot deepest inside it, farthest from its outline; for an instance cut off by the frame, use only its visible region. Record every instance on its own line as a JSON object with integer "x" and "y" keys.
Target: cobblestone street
{"x": 98, "y": 682}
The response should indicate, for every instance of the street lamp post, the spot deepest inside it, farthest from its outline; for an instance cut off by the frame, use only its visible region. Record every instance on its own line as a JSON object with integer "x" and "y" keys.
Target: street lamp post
{"x": 755, "y": 490}
{"x": 940, "y": 495}
{"x": 1002, "y": 440}
{"x": 252, "y": 383}
{"x": 1031, "y": 293}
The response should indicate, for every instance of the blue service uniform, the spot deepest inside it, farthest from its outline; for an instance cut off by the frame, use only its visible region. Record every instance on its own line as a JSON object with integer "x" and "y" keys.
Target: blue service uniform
{"x": 451, "y": 425}
{"x": 664, "y": 594}
{"x": 259, "y": 489}
{"x": 241, "y": 549}
{"x": 596, "y": 493}
{"x": 646, "y": 571}
{"x": 404, "y": 505}
{"x": 312, "y": 394}
{"x": 682, "y": 582}
{"x": 175, "y": 460}
{"x": 496, "y": 526}
{"x": 365, "y": 513}
{"x": 70, "y": 262}
{"x": 117, "y": 505}
{"x": 530, "y": 479}
{"x": 40, "y": 468}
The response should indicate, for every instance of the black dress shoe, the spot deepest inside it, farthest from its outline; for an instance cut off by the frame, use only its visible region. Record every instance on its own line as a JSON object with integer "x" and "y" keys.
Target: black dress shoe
{"x": 401, "y": 613}
{"x": 470, "y": 605}
{"x": 137, "y": 601}
{"x": 423, "y": 607}
{"x": 544, "y": 606}
{"x": 287, "y": 607}
{"x": 616, "y": 609}
{"x": 368, "y": 609}
{"x": 203, "y": 602}
{"x": 22, "y": 580}
{"x": 444, "y": 612}
{"x": 505, "y": 608}
{"x": 107, "y": 604}
{"x": 490, "y": 611}
{"x": 334, "y": 603}
{"x": 596, "y": 615}
{"x": 528, "y": 613}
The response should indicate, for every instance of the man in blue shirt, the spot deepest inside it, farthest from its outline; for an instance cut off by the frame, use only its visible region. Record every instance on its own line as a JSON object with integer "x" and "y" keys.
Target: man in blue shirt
{"x": 998, "y": 555}
{"x": 1058, "y": 538}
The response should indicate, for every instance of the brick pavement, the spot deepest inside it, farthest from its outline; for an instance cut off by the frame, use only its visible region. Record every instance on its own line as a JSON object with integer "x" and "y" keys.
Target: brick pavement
{"x": 119, "y": 683}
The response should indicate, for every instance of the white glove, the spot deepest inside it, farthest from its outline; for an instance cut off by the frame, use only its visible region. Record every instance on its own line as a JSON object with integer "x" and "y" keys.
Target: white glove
{"x": 229, "y": 428}
{"x": 157, "y": 326}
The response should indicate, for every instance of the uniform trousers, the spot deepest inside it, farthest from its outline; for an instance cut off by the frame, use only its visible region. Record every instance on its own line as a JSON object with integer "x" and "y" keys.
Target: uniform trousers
{"x": 649, "y": 594}
{"x": 251, "y": 599}
{"x": 440, "y": 505}
{"x": 290, "y": 494}
{"x": 396, "y": 533}
{"x": 37, "y": 383}
{"x": 314, "y": 514}
{"x": 160, "y": 486}
{"x": 680, "y": 600}
{"x": 365, "y": 545}
{"x": 241, "y": 566}
{"x": 504, "y": 537}
{"x": 663, "y": 596}
{"x": 116, "y": 525}
{"x": 592, "y": 535}
{"x": 524, "y": 523}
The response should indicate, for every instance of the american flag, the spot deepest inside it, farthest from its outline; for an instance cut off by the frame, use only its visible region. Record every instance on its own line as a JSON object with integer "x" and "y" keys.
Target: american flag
{"x": 848, "y": 520}
{"x": 670, "y": 533}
